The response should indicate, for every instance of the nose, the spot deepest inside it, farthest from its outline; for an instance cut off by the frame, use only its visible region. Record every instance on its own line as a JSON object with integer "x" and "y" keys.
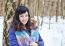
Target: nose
{"x": 24, "y": 18}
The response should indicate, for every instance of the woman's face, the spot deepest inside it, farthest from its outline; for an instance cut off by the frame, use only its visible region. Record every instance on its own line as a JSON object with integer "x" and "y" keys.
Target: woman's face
{"x": 24, "y": 17}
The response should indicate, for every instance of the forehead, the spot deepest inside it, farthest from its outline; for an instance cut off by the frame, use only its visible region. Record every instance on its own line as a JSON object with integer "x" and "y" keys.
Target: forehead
{"x": 26, "y": 13}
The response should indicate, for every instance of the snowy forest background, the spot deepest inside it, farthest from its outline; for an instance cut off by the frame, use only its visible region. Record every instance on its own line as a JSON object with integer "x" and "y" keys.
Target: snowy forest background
{"x": 49, "y": 14}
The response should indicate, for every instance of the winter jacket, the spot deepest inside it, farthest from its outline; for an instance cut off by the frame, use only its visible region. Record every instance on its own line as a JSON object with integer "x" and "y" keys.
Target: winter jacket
{"x": 13, "y": 39}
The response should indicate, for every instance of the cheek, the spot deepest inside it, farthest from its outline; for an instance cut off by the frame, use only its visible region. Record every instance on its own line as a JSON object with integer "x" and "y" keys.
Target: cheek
{"x": 20, "y": 19}
{"x": 25, "y": 19}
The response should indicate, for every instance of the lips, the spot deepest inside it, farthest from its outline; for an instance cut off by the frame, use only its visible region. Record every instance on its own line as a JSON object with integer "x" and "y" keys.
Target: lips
{"x": 24, "y": 22}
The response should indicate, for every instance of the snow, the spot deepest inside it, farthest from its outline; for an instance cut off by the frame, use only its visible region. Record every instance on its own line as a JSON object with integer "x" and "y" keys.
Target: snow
{"x": 1, "y": 30}
{"x": 55, "y": 36}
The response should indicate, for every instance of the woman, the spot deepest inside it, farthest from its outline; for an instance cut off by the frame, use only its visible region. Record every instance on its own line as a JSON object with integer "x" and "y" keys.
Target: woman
{"x": 23, "y": 31}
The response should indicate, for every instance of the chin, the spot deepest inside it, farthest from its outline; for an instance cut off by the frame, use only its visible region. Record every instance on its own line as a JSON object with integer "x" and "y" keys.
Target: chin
{"x": 24, "y": 23}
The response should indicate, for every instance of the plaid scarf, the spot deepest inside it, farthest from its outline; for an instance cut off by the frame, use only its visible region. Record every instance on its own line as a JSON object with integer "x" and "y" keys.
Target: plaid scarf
{"x": 24, "y": 39}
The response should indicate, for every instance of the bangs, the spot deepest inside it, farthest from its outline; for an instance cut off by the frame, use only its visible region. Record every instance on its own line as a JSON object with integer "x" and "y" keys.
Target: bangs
{"x": 21, "y": 10}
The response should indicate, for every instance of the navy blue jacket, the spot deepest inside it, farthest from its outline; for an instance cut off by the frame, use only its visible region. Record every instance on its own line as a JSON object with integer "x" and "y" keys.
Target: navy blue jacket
{"x": 13, "y": 41}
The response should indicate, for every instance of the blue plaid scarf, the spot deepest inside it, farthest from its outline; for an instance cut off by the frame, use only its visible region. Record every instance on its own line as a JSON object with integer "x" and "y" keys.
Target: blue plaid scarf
{"x": 24, "y": 39}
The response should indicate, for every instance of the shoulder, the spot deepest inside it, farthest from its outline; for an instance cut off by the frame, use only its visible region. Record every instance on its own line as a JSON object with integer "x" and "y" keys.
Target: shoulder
{"x": 35, "y": 32}
{"x": 11, "y": 30}
{"x": 12, "y": 37}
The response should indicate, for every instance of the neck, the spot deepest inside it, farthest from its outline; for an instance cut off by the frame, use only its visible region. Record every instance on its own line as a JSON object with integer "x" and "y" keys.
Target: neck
{"x": 24, "y": 27}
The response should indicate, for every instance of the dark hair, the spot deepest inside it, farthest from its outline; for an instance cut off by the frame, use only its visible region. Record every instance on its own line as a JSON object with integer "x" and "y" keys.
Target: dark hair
{"x": 16, "y": 22}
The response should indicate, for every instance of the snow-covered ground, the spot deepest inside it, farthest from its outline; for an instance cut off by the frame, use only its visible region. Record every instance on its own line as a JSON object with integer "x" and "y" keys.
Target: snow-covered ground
{"x": 53, "y": 35}
{"x": 1, "y": 30}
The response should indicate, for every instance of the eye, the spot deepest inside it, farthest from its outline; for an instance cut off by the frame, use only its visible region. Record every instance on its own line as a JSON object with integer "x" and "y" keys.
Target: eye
{"x": 26, "y": 15}
{"x": 21, "y": 16}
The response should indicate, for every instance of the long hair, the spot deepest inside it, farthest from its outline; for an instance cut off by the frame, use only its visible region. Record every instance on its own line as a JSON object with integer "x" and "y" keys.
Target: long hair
{"x": 16, "y": 22}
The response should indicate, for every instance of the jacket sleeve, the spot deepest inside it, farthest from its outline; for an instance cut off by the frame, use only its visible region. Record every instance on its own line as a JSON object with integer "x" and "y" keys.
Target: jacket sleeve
{"x": 12, "y": 38}
{"x": 40, "y": 41}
